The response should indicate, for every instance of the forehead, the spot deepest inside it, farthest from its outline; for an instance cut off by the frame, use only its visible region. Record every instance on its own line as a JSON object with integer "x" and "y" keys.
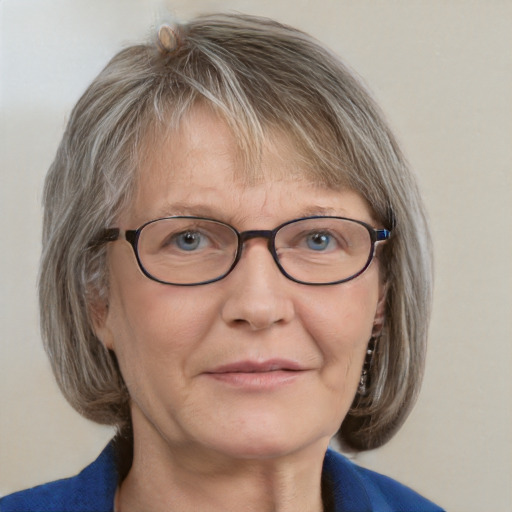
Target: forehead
{"x": 197, "y": 168}
{"x": 202, "y": 135}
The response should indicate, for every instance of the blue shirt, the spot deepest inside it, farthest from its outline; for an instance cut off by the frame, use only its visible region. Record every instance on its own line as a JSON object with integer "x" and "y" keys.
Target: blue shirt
{"x": 355, "y": 490}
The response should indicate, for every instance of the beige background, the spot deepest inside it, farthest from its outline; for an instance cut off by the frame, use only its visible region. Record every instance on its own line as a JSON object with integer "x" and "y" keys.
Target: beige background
{"x": 442, "y": 71}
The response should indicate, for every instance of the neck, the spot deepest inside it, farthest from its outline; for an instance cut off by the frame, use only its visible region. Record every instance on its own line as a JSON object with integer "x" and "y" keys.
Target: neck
{"x": 182, "y": 479}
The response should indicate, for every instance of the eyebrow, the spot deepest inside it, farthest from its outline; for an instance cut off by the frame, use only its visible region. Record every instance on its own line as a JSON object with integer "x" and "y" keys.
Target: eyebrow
{"x": 204, "y": 210}
{"x": 194, "y": 210}
{"x": 311, "y": 211}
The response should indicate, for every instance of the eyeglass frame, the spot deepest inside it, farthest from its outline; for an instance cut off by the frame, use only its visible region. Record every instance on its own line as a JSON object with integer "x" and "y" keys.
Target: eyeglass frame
{"x": 132, "y": 237}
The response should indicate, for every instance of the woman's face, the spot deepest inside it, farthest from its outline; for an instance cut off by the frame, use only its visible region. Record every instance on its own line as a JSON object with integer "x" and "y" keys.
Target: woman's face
{"x": 200, "y": 361}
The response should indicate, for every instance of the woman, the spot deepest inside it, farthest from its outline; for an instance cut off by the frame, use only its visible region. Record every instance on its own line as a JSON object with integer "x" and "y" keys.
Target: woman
{"x": 236, "y": 268}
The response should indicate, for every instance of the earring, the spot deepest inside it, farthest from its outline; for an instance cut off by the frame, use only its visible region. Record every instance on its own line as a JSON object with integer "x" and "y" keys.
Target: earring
{"x": 363, "y": 381}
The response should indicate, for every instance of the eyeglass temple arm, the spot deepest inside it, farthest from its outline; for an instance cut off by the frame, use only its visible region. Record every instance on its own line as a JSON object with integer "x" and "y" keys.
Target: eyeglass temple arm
{"x": 107, "y": 235}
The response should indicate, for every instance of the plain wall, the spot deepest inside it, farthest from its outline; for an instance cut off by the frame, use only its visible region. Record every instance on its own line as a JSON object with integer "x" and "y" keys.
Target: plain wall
{"x": 442, "y": 72}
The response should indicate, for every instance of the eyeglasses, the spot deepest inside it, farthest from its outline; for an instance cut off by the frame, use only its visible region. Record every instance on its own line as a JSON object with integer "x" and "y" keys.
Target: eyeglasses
{"x": 189, "y": 251}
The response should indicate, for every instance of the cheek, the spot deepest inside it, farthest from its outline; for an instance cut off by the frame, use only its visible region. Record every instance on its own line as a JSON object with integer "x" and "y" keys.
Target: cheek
{"x": 161, "y": 325}
{"x": 342, "y": 314}
{"x": 153, "y": 327}
{"x": 340, "y": 320}
{"x": 157, "y": 335}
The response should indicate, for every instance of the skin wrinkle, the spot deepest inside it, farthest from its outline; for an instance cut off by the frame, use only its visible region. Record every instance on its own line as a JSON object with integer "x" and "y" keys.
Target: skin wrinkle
{"x": 230, "y": 475}
{"x": 166, "y": 337}
{"x": 325, "y": 128}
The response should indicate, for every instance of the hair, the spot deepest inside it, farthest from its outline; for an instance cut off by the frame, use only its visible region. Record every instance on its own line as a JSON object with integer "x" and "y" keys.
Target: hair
{"x": 258, "y": 75}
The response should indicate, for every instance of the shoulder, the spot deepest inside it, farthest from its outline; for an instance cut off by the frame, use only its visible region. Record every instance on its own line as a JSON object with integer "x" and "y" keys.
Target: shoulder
{"x": 357, "y": 489}
{"x": 92, "y": 490}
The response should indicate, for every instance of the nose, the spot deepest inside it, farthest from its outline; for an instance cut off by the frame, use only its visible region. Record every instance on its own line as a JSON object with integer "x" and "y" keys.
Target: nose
{"x": 258, "y": 295}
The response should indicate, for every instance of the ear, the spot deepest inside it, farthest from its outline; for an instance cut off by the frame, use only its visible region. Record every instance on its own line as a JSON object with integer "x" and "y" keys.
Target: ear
{"x": 380, "y": 311}
{"x": 99, "y": 316}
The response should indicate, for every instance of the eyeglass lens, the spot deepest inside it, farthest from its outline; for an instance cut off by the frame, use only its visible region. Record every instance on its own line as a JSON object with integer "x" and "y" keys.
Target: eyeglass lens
{"x": 192, "y": 251}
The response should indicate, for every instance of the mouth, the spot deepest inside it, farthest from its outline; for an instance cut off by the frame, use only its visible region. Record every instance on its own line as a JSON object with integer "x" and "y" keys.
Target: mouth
{"x": 258, "y": 375}
{"x": 271, "y": 365}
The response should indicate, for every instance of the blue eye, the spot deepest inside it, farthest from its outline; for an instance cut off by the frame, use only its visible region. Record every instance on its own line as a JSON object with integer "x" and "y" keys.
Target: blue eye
{"x": 318, "y": 241}
{"x": 189, "y": 240}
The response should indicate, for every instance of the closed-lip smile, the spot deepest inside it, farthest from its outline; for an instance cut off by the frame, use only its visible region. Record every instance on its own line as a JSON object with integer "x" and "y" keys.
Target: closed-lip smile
{"x": 257, "y": 375}
{"x": 247, "y": 366}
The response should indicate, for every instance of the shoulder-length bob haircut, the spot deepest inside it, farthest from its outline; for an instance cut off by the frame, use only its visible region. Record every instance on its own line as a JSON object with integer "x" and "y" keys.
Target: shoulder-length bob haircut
{"x": 258, "y": 75}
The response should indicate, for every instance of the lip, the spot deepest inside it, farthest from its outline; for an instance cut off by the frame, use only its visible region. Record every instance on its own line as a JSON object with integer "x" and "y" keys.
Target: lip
{"x": 248, "y": 366}
{"x": 258, "y": 375}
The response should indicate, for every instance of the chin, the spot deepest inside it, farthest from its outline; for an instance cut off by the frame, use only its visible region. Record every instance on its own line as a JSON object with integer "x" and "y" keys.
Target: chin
{"x": 265, "y": 441}
{"x": 262, "y": 449}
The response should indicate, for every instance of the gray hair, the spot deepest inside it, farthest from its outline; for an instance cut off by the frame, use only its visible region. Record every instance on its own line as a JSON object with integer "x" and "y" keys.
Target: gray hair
{"x": 258, "y": 75}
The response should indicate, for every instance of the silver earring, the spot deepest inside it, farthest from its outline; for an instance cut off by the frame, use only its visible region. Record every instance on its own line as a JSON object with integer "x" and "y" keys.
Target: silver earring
{"x": 365, "y": 373}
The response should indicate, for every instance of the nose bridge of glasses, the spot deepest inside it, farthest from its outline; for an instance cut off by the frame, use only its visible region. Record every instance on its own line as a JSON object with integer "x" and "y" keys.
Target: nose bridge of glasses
{"x": 268, "y": 234}
{"x": 257, "y": 233}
